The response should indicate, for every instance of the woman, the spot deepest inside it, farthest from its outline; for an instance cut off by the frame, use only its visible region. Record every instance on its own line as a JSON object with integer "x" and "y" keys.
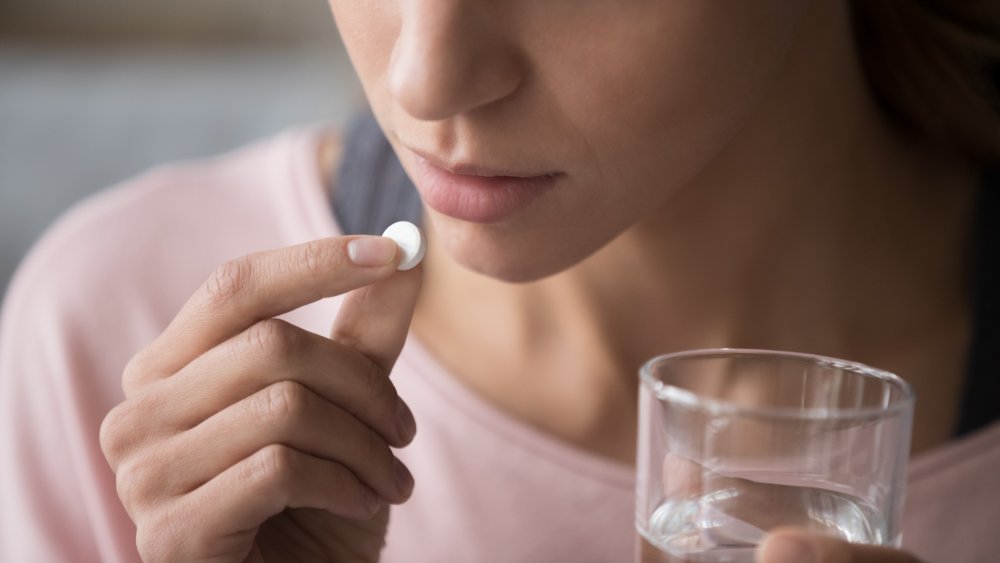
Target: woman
{"x": 600, "y": 182}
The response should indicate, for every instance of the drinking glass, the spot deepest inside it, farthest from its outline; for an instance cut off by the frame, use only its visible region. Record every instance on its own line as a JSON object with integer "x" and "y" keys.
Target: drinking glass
{"x": 733, "y": 443}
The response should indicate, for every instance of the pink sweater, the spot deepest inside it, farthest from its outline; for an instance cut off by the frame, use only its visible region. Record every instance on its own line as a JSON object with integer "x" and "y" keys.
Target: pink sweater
{"x": 111, "y": 274}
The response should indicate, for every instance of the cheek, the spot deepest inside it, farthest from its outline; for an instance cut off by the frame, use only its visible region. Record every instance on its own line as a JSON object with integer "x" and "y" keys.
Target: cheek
{"x": 368, "y": 31}
{"x": 663, "y": 88}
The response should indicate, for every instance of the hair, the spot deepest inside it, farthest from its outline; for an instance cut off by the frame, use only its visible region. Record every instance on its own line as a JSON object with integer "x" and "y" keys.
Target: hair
{"x": 934, "y": 67}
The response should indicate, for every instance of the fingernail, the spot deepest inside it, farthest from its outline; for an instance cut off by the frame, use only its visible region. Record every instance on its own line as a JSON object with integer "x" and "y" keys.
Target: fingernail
{"x": 371, "y": 251}
{"x": 404, "y": 481}
{"x": 784, "y": 549}
{"x": 405, "y": 423}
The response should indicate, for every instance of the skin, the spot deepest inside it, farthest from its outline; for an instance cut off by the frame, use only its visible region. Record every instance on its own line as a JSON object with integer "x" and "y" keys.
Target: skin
{"x": 787, "y": 199}
{"x": 722, "y": 165}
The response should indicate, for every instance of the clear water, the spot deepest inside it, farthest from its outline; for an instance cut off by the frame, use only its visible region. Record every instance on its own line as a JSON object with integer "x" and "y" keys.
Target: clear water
{"x": 726, "y": 525}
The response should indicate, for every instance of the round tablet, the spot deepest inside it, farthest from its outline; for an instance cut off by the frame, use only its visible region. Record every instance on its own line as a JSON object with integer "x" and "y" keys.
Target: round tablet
{"x": 410, "y": 240}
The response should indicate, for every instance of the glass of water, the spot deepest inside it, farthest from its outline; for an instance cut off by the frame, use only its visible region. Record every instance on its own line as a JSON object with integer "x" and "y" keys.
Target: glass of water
{"x": 734, "y": 443}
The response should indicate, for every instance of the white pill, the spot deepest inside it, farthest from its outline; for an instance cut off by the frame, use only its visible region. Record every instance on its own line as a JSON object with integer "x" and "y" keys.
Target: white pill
{"x": 411, "y": 242}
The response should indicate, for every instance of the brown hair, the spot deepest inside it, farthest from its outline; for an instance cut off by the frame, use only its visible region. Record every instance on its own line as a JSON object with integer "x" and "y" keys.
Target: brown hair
{"x": 933, "y": 65}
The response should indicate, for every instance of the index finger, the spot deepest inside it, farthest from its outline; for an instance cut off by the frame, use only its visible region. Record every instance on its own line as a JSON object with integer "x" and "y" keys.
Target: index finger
{"x": 266, "y": 284}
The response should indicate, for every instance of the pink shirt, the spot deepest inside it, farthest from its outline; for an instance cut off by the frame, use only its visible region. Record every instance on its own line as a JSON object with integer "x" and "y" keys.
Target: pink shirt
{"x": 112, "y": 273}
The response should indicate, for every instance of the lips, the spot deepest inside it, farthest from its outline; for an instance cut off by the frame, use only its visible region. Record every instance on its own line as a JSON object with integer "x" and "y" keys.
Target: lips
{"x": 477, "y": 194}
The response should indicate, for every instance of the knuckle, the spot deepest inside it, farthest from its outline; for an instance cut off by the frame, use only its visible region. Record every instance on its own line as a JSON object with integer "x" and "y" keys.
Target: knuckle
{"x": 148, "y": 542}
{"x": 128, "y": 426}
{"x": 380, "y": 392}
{"x": 311, "y": 258}
{"x": 111, "y": 434}
{"x": 229, "y": 281}
{"x": 269, "y": 466}
{"x": 125, "y": 487}
{"x": 348, "y": 486}
{"x": 271, "y": 338}
{"x": 377, "y": 384}
{"x": 134, "y": 373}
{"x": 280, "y": 401}
{"x": 374, "y": 447}
{"x": 130, "y": 483}
{"x": 159, "y": 536}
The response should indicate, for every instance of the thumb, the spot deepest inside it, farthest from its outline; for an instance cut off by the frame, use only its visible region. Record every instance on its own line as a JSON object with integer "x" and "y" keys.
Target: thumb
{"x": 790, "y": 545}
{"x": 375, "y": 319}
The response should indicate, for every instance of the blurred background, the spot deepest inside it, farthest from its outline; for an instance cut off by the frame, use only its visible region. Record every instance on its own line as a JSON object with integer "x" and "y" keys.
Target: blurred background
{"x": 93, "y": 92}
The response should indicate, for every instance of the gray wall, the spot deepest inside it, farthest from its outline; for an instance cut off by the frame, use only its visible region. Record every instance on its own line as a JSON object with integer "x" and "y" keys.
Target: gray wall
{"x": 86, "y": 109}
{"x": 284, "y": 21}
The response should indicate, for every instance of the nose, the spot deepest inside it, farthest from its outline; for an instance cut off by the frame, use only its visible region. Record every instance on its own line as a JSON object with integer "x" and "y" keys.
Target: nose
{"x": 451, "y": 58}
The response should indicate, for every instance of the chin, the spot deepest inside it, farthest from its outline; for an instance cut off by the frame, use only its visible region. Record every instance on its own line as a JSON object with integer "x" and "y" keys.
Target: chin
{"x": 512, "y": 261}
{"x": 520, "y": 251}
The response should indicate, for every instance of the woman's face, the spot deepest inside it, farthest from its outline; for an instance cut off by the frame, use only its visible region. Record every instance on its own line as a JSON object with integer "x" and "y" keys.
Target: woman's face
{"x": 624, "y": 102}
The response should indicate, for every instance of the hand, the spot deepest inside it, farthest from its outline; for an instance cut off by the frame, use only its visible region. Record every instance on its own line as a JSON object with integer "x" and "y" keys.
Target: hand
{"x": 244, "y": 438}
{"x": 790, "y": 545}
{"x": 744, "y": 501}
